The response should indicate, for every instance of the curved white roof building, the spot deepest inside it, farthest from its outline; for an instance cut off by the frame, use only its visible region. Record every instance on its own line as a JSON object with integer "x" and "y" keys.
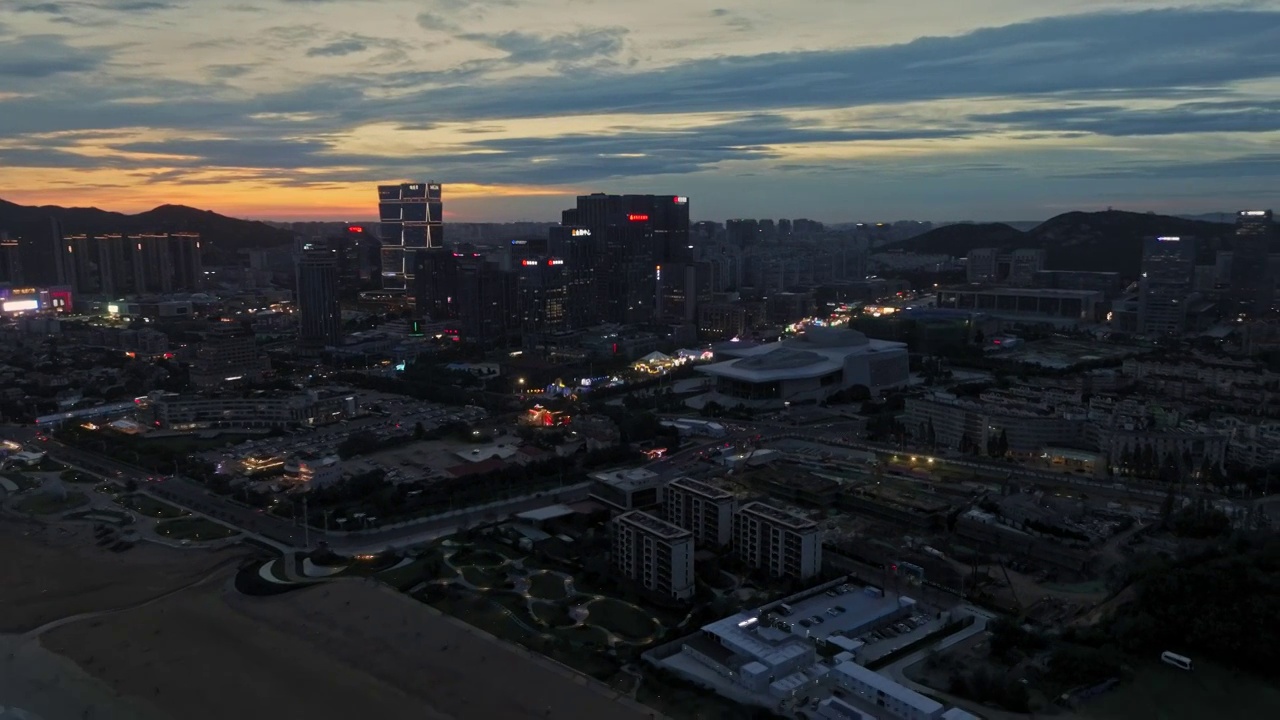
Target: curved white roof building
{"x": 809, "y": 367}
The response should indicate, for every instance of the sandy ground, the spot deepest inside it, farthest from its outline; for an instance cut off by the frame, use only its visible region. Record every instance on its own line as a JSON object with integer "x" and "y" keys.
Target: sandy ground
{"x": 343, "y": 649}
{"x": 53, "y": 571}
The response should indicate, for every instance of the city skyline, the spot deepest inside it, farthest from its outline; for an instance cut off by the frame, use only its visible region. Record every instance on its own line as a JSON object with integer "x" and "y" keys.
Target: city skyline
{"x": 291, "y": 109}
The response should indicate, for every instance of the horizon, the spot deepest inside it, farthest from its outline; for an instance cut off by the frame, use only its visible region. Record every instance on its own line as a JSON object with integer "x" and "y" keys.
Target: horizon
{"x": 1228, "y": 215}
{"x": 824, "y": 110}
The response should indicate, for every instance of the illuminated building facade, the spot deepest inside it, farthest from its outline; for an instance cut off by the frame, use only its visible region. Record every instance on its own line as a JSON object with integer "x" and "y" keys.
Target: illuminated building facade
{"x": 412, "y": 221}
{"x": 18, "y": 300}
{"x": 544, "y": 297}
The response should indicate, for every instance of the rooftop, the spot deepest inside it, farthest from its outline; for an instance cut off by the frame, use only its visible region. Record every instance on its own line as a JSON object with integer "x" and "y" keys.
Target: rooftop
{"x": 628, "y": 479}
{"x": 817, "y": 352}
{"x": 778, "y": 517}
{"x": 698, "y": 487}
{"x": 879, "y": 682}
{"x": 654, "y": 525}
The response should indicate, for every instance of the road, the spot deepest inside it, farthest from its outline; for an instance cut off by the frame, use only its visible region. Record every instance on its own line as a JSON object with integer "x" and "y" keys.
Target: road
{"x": 194, "y": 497}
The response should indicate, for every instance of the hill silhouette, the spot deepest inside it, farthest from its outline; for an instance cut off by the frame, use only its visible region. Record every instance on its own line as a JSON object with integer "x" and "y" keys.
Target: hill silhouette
{"x": 1099, "y": 241}
{"x": 221, "y": 236}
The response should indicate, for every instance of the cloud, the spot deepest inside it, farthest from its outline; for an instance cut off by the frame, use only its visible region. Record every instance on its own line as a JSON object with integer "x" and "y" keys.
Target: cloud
{"x": 339, "y": 48}
{"x": 1113, "y": 120}
{"x": 436, "y": 22}
{"x": 44, "y": 8}
{"x": 522, "y": 48}
{"x": 1264, "y": 165}
{"x": 42, "y": 56}
{"x": 571, "y": 157}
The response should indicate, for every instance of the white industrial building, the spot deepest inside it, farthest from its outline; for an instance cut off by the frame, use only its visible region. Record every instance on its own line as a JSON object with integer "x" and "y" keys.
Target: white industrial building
{"x": 808, "y": 368}
{"x": 876, "y": 689}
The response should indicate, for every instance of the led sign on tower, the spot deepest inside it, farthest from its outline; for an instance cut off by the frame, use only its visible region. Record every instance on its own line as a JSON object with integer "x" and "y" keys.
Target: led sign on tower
{"x": 1254, "y": 213}
{"x": 528, "y": 263}
{"x": 1168, "y": 238}
{"x": 637, "y": 217}
{"x": 555, "y": 262}
{"x": 579, "y": 232}
{"x": 680, "y": 200}
{"x": 355, "y": 229}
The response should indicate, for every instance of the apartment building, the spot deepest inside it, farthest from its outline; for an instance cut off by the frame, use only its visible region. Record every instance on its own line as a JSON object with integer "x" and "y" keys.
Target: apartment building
{"x": 654, "y": 553}
{"x": 770, "y": 539}
{"x": 704, "y": 510}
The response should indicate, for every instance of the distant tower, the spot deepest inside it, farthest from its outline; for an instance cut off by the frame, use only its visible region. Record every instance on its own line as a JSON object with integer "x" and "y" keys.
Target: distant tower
{"x": 1168, "y": 272}
{"x": 412, "y": 218}
{"x": 1252, "y": 284}
{"x": 319, "y": 315}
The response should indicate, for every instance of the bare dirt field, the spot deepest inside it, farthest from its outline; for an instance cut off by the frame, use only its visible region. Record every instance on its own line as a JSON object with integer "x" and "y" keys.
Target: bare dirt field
{"x": 344, "y": 649}
{"x": 339, "y": 650}
{"x": 55, "y": 571}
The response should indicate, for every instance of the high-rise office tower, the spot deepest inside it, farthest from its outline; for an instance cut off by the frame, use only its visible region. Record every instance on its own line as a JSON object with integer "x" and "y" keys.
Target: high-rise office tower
{"x": 486, "y": 301}
{"x": 434, "y": 284}
{"x": 577, "y": 247}
{"x": 319, "y": 315}
{"x": 544, "y": 298}
{"x": 633, "y": 237}
{"x": 1253, "y": 286}
{"x": 1168, "y": 271}
{"x": 412, "y": 221}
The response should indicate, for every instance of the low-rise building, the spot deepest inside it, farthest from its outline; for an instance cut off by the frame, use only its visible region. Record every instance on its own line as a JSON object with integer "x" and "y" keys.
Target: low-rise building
{"x": 654, "y": 553}
{"x": 806, "y": 369}
{"x": 315, "y": 472}
{"x": 876, "y": 689}
{"x": 628, "y": 489}
{"x": 172, "y": 411}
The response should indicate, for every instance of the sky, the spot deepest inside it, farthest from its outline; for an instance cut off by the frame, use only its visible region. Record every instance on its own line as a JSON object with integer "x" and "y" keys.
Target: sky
{"x": 835, "y": 110}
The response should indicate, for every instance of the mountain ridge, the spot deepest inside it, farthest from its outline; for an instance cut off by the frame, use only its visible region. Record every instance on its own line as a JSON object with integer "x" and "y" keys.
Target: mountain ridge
{"x": 222, "y": 235}
{"x": 1109, "y": 240}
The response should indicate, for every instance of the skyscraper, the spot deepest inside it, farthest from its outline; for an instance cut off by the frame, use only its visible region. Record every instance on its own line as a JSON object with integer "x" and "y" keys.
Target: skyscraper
{"x": 1168, "y": 271}
{"x": 633, "y": 238}
{"x": 319, "y": 315}
{"x": 576, "y": 246}
{"x": 412, "y": 218}
{"x": 1252, "y": 284}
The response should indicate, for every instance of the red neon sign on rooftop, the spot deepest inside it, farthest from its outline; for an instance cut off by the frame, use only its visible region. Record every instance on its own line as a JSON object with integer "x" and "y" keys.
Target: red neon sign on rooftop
{"x": 636, "y": 217}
